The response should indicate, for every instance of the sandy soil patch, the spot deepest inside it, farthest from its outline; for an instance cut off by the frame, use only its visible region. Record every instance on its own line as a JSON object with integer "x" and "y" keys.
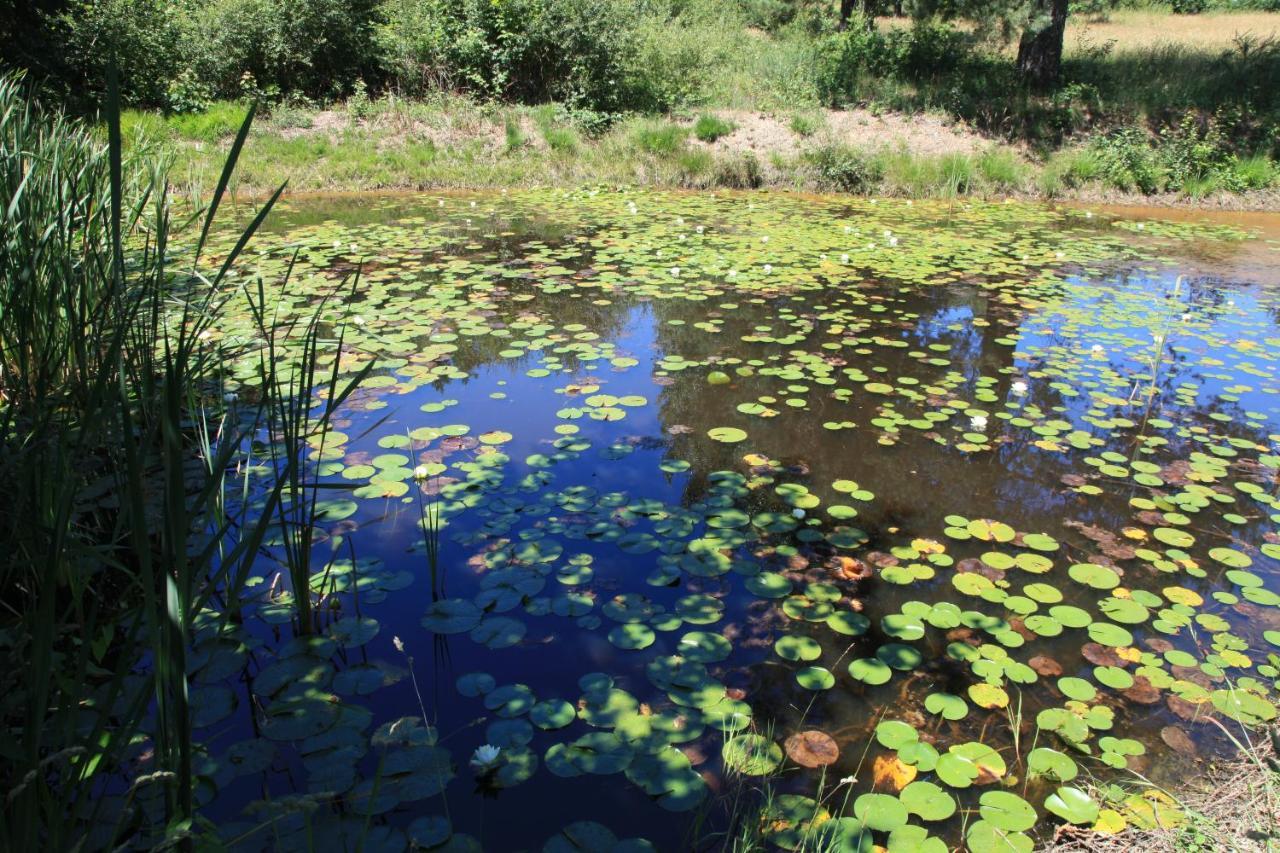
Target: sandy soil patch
{"x": 764, "y": 134}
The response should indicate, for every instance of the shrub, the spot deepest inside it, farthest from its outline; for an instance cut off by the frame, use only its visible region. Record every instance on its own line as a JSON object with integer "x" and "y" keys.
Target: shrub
{"x": 317, "y": 47}
{"x": 575, "y": 51}
{"x": 147, "y": 41}
{"x": 929, "y": 48}
{"x": 839, "y": 167}
{"x": 844, "y": 58}
{"x": 672, "y": 56}
{"x": 709, "y": 128}
{"x": 1127, "y": 161}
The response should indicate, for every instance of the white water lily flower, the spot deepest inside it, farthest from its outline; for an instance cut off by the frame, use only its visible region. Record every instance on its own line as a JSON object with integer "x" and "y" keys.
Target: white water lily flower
{"x": 398, "y": 643}
{"x": 679, "y": 220}
{"x": 768, "y": 268}
{"x": 485, "y": 758}
{"x": 1096, "y": 348}
{"x": 473, "y": 204}
{"x": 353, "y": 247}
{"x": 848, "y": 228}
{"x": 675, "y": 272}
{"x": 764, "y": 239}
{"x": 844, "y": 259}
{"x": 699, "y": 229}
{"x": 1019, "y": 387}
{"x": 893, "y": 241}
{"x": 1186, "y": 318}
{"x": 733, "y": 273}
{"x": 1088, "y": 214}
{"x": 978, "y": 421}
{"x": 421, "y": 472}
{"x": 358, "y": 320}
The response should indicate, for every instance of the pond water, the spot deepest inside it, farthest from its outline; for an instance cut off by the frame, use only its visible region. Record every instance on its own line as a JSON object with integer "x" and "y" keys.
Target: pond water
{"x": 981, "y": 497}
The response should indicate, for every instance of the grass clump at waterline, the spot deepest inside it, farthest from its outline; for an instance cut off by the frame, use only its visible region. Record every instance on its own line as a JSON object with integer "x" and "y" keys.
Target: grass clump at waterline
{"x": 118, "y": 426}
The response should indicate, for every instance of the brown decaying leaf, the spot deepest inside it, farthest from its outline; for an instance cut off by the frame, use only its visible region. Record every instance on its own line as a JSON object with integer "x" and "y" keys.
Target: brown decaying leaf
{"x": 812, "y": 749}
{"x": 1178, "y": 740}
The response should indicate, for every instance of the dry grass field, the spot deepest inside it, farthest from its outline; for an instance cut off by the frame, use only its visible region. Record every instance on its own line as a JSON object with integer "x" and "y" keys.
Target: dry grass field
{"x": 1137, "y": 32}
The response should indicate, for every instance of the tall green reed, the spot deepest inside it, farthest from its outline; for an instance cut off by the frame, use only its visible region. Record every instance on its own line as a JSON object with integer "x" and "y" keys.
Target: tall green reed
{"x": 120, "y": 525}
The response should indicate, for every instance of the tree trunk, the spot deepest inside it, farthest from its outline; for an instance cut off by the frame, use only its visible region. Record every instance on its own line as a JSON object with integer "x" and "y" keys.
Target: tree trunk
{"x": 846, "y": 9}
{"x": 1040, "y": 50}
{"x": 866, "y": 7}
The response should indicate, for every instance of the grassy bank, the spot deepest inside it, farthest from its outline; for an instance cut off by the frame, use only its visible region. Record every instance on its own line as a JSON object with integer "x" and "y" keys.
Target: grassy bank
{"x": 456, "y": 142}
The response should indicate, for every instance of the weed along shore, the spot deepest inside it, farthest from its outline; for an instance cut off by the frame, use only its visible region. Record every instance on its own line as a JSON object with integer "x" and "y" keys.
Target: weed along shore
{"x": 582, "y": 425}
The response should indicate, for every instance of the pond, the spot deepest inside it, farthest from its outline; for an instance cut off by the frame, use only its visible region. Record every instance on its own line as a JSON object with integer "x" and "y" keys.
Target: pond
{"x": 755, "y": 519}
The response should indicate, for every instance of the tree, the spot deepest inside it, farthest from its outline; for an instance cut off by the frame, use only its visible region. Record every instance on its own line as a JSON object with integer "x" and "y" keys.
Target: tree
{"x": 1040, "y": 49}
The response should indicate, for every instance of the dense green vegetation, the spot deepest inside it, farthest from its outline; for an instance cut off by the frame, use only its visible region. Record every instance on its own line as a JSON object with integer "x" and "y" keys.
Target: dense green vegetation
{"x": 1178, "y": 117}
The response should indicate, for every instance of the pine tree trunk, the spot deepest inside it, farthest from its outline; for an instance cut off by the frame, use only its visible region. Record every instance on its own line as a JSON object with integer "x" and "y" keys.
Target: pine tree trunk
{"x": 846, "y": 9}
{"x": 866, "y": 7}
{"x": 1040, "y": 51}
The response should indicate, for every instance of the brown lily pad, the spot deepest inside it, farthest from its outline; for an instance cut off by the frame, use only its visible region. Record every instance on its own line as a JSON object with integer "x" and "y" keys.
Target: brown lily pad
{"x": 812, "y": 749}
{"x": 1143, "y": 692}
{"x": 1178, "y": 740}
{"x": 1099, "y": 655}
{"x": 1045, "y": 666}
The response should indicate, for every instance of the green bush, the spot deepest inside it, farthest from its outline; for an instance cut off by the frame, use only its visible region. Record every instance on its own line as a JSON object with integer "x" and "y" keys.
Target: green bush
{"x": 928, "y": 49}
{"x": 709, "y": 128}
{"x": 316, "y": 47}
{"x": 675, "y": 49}
{"x": 147, "y": 41}
{"x": 839, "y": 167}
{"x": 1127, "y": 161}
{"x": 844, "y": 59}
{"x": 575, "y": 51}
